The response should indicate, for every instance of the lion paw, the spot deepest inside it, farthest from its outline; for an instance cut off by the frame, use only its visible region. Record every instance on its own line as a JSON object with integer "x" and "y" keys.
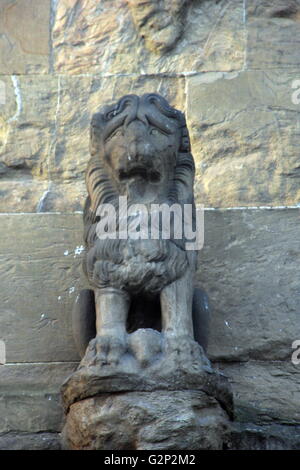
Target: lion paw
{"x": 110, "y": 349}
{"x": 106, "y": 350}
{"x": 183, "y": 349}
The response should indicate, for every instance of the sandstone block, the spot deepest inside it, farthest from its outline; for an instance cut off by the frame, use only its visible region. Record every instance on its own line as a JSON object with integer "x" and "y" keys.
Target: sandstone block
{"x": 247, "y": 267}
{"x": 265, "y": 392}
{"x": 27, "y": 137}
{"x": 130, "y": 37}
{"x": 271, "y": 27}
{"x": 30, "y": 400}
{"x": 40, "y": 275}
{"x": 245, "y": 135}
{"x": 24, "y": 38}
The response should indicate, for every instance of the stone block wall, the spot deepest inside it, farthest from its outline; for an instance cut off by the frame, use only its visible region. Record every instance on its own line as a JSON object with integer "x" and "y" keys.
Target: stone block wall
{"x": 233, "y": 67}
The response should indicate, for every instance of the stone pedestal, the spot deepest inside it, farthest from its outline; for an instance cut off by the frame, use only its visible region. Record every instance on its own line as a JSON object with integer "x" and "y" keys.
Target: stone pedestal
{"x": 159, "y": 395}
{"x": 164, "y": 419}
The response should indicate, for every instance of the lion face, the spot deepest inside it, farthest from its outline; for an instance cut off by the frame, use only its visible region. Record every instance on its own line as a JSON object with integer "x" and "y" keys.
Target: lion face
{"x": 137, "y": 141}
{"x": 141, "y": 153}
{"x": 139, "y": 148}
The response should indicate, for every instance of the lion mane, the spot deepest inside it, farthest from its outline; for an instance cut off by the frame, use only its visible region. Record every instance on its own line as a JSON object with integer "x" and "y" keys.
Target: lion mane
{"x": 155, "y": 264}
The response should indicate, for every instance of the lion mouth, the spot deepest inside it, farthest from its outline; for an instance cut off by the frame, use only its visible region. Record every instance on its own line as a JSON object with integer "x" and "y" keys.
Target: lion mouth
{"x": 139, "y": 172}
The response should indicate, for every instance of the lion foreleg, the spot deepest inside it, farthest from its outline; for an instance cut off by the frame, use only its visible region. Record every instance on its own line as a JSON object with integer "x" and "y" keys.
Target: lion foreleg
{"x": 112, "y": 307}
{"x": 176, "y": 306}
{"x": 177, "y": 321}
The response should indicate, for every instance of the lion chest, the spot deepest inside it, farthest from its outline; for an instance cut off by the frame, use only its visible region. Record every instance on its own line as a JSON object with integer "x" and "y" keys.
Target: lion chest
{"x": 135, "y": 265}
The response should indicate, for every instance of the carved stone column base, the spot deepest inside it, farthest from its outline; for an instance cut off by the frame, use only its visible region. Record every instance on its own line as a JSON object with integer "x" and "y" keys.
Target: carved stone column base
{"x": 160, "y": 394}
{"x": 158, "y": 420}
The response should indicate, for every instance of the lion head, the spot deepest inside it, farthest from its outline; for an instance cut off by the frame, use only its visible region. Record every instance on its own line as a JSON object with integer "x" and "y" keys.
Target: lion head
{"x": 139, "y": 148}
{"x": 142, "y": 143}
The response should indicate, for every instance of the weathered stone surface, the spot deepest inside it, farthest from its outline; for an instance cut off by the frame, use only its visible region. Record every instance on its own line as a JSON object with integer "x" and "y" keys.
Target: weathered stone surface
{"x": 62, "y": 197}
{"x": 30, "y": 195}
{"x": 160, "y": 24}
{"x": 40, "y": 275}
{"x": 247, "y": 267}
{"x": 28, "y": 121}
{"x": 140, "y": 421}
{"x": 245, "y": 134}
{"x": 245, "y": 150}
{"x": 269, "y": 437}
{"x": 111, "y": 37}
{"x": 30, "y": 412}
{"x": 29, "y": 398}
{"x": 272, "y": 29}
{"x": 24, "y": 36}
{"x": 39, "y": 377}
{"x": 27, "y": 136}
{"x": 265, "y": 392}
{"x": 21, "y": 195}
{"x": 30, "y": 441}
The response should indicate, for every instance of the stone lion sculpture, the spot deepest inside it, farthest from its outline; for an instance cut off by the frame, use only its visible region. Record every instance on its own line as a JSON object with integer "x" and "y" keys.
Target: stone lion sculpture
{"x": 140, "y": 149}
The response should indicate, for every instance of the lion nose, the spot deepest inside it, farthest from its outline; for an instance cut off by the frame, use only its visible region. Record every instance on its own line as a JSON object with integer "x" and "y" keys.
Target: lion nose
{"x": 140, "y": 150}
{"x": 132, "y": 151}
{"x": 135, "y": 150}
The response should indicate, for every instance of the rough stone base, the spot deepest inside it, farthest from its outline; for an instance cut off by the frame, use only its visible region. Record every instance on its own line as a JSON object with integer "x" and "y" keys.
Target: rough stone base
{"x": 157, "y": 420}
{"x": 172, "y": 364}
{"x": 174, "y": 400}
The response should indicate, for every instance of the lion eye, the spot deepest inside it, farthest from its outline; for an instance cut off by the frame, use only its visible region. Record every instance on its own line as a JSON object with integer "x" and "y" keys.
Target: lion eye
{"x": 155, "y": 132}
